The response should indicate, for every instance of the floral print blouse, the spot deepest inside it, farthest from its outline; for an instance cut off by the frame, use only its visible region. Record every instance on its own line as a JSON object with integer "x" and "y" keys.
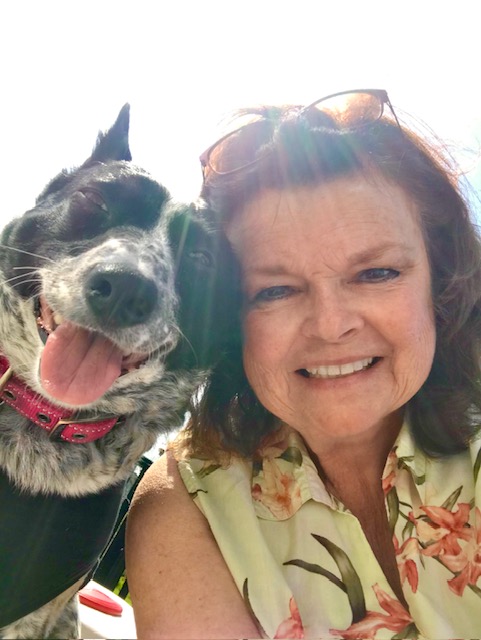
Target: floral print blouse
{"x": 302, "y": 561}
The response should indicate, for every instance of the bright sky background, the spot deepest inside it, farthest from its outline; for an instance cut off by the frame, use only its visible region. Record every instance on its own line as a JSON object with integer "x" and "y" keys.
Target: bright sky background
{"x": 68, "y": 66}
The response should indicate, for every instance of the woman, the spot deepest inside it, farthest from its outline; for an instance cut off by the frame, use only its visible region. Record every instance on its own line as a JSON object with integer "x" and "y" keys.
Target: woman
{"x": 328, "y": 487}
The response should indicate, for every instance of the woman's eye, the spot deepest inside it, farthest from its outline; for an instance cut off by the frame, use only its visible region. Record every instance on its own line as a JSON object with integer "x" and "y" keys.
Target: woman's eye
{"x": 378, "y": 275}
{"x": 272, "y": 293}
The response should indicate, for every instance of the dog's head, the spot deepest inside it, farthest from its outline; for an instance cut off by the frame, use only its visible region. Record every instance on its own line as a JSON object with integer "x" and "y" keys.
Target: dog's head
{"x": 88, "y": 271}
{"x": 111, "y": 285}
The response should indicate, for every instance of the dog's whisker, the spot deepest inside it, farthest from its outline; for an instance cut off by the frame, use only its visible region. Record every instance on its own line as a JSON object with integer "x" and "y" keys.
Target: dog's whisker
{"x": 29, "y": 253}
{"x": 32, "y": 298}
{"x": 189, "y": 343}
{"x": 21, "y": 282}
{"x": 32, "y": 267}
{"x": 15, "y": 281}
{"x": 30, "y": 272}
{"x": 18, "y": 277}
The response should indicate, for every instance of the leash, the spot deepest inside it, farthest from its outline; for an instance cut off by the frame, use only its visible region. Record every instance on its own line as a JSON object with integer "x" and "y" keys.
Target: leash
{"x": 57, "y": 421}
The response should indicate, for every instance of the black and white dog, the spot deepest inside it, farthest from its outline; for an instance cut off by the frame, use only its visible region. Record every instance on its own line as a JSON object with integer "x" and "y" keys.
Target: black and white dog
{"x": 107, "y": 294}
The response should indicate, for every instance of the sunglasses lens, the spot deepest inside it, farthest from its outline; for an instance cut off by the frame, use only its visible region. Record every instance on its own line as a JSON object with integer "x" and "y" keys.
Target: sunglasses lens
{"x": 242, "y": 146}
{"x": 349, "y": 110}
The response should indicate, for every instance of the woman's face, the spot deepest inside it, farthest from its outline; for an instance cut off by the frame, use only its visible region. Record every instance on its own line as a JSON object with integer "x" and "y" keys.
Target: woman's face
{"x": 338, "y": 324}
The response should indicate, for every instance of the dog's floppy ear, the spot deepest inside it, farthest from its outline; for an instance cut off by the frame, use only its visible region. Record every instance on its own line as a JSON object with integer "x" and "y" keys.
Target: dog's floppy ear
{"x": 114, "y": 143}
{"x": 207, "y": 283}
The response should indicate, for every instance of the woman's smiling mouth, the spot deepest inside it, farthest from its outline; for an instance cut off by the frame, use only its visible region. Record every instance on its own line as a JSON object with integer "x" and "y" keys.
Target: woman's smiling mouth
{"x": 338, "y": 370}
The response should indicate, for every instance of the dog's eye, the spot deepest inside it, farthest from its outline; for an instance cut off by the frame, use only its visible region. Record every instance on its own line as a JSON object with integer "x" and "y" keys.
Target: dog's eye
{"x": 94, "y": 197}
{"x": 202, "y": 257}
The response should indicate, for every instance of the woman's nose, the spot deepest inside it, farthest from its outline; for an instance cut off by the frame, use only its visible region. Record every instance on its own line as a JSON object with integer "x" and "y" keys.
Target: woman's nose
{"x": 332, "y": 315}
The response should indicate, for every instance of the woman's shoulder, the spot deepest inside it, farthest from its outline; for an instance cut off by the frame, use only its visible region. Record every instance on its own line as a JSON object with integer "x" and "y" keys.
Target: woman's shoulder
{"x": 160, "y": 489}
{"x": 163, "y": 510}
{"x": 174, "y": 564}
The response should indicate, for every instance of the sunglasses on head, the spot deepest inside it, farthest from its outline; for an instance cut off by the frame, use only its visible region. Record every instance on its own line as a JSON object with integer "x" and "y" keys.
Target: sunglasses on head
{"x": 344, "y": 111}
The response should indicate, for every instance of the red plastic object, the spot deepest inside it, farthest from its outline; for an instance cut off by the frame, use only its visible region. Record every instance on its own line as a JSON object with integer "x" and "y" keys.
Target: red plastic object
{"x": 96, "y": 599}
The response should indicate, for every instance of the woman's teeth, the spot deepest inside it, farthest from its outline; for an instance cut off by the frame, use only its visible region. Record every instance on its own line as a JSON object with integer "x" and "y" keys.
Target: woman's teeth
{"x": 338, "y": 370}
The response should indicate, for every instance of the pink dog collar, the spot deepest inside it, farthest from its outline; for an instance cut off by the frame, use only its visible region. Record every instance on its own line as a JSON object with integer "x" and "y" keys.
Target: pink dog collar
{"x": 56, "y": 420}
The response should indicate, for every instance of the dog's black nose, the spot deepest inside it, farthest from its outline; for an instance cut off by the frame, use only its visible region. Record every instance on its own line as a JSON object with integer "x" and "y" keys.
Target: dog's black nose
{"x": 119, "y": 296}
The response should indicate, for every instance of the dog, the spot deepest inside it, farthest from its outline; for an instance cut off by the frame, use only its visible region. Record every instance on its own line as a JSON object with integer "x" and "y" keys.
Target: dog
{"x": 110, "y": 318}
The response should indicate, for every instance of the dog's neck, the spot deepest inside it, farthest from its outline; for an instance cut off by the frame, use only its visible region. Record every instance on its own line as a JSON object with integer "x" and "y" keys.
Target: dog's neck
{"x": 57, "y": 421}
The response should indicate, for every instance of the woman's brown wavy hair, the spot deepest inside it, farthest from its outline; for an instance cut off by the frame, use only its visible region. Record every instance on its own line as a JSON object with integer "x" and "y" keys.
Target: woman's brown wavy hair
{"x": 444, "y": 414}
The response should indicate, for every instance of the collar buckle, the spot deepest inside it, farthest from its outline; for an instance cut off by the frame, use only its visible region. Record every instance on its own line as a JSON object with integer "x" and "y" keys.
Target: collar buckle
{"x": 82, "y": 430}
{"x": 7, "y": 374}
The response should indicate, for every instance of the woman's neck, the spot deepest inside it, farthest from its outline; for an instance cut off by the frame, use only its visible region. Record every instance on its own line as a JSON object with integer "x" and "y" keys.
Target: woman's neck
{"x": 346, "y": 464}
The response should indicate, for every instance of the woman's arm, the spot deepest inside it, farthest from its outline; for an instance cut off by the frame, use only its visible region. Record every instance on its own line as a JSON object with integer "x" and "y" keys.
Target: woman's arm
{"x": 179, "y": 583}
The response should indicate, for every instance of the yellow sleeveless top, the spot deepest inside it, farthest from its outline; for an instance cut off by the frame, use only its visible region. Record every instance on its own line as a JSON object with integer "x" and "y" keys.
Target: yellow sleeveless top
{"x": 301, "y": 559}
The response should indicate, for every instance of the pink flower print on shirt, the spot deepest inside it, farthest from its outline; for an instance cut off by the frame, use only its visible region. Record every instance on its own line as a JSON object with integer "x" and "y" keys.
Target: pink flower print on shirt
{"x": 448, "y": 537}
{"x": 406, "y": 556}
{"x": 441, "y": 532}
{"x": 292, "y": 627}
{"x": 389, "y": 475}
{"x": 274, "y": 444}
{"x": 466, "y": 564}
{"x": 276, "y": 490}
{"x": 396, "y": 620}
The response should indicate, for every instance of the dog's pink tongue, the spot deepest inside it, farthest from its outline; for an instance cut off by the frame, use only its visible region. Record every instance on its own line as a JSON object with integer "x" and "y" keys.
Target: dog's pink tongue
{"x": 78, "y": 367}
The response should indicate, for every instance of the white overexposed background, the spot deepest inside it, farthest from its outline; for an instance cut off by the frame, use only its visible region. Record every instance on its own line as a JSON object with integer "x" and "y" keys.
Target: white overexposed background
{"x": 67, "y": 67}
